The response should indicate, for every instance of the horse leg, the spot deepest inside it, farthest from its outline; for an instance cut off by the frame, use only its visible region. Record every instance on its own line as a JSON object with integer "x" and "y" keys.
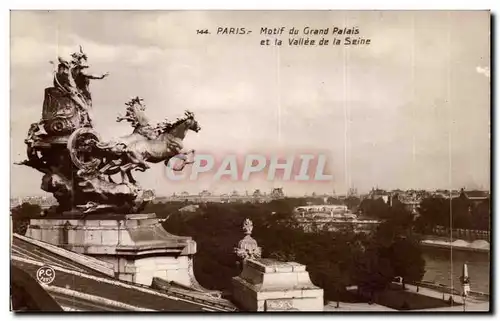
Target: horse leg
{"x": 131, "y": 178}
{"x": 137, "y": 158}
{"x": 173, "y": 168}
{"x": 191, "y": 151}
{"x": 180, "y": 156}
{"x": 107, "y": 166}
{"x": 124, "y": 176}
{"x": 185, "y": 157}
{"x": 124, "y": 170}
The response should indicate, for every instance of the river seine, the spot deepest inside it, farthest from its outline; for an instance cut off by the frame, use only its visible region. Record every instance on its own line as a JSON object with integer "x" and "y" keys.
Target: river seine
{"x": 444, "y": 267}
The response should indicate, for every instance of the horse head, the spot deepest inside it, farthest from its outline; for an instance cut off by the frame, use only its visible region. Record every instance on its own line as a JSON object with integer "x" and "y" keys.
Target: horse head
{"x": 135, "y": 113}
{"x": 188, "y": 122}
{"x": 136, "y": 102}
{"x": 191, "y": 121}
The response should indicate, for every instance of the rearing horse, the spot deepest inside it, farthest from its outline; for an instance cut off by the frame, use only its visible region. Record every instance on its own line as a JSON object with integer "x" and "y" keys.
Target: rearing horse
{"x": 137, "y": 149}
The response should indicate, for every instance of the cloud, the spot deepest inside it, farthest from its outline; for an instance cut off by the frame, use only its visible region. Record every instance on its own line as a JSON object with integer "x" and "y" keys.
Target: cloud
{"x": 483, "y": 71}
{"x": 27, "y": 51}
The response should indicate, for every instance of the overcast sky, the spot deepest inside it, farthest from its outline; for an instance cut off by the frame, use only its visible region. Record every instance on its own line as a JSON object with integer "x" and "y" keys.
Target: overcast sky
{"x": 411, "y": 110}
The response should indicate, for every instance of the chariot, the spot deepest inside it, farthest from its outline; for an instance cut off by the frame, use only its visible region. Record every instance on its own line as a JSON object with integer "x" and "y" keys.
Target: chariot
{"x": 66, "y": 125}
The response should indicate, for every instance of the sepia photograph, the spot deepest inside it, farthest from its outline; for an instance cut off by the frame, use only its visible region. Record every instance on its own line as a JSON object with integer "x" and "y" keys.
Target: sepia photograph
{"x": 250, "y": 161}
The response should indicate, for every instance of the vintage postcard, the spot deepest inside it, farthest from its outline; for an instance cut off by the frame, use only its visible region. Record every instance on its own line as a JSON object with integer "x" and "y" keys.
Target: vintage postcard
{"x": 244, "y": 161}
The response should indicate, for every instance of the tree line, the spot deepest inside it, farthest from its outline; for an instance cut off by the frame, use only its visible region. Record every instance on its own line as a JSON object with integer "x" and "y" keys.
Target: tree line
{"x": 334, "y": 259}
{"x": 437, "y": 211}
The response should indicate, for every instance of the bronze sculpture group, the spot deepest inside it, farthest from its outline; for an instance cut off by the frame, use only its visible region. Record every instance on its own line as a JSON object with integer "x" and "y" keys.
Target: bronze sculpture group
{"x": 78, "y": 166}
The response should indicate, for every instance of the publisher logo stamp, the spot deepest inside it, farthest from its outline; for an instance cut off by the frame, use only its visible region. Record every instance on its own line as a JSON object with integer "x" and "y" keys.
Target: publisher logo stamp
{"x": 45, "y": 274}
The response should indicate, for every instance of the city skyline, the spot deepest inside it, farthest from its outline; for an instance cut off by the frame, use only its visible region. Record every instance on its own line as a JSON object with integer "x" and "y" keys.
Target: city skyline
{"x": 268, "y": 192}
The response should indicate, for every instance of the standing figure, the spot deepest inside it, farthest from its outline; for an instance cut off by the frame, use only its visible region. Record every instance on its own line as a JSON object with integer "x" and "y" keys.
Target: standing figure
{"x": 82, "y": 79}
{"x": 62, "y": 77}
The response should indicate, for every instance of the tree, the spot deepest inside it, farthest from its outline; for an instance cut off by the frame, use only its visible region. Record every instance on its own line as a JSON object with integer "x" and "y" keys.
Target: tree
{"x": 398, "y": 221}
{"x": 373, "y": 272}
{"x": 162, "y": 210}
{"x": 397, "y": 250}
{"x": 329, "y": 256}
{"x": 26, "y": 210}
{"x": 315, "y": 201}
{"x": 334, "y": 259}
{"x": 330, "y": 276}
{"x": 459, "y": 212}
{"x": 333, "y": 201}
{"x": 481, "y": 215}
{"x": 406, "y": 258}
{"x": 21, "y": 215}
{"x": 433, "y": 211}
{"x": 352, "y": 202}
{"x": 374, "y": 208}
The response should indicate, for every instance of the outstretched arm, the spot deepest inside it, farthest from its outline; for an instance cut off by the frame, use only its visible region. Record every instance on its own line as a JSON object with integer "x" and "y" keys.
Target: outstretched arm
{"x": 96, "y": 76}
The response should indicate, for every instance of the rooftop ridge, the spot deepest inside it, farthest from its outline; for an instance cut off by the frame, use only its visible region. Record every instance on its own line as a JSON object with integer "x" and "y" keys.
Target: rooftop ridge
{"x": 124, "y": 284}
{"x": 88, "y": 261}
{"x": 92, "y": 298}
{"x": 195, "y": 295}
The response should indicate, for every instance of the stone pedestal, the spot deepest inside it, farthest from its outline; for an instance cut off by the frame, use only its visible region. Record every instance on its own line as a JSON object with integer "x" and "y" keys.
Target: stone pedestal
{"x": 137, "y": 245}
{"x": 269, "y": 285}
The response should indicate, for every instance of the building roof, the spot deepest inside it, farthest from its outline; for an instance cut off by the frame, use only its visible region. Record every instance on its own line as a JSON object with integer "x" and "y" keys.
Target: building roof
{"x": 446, "y": 194}
{"x": 28, "y": 295}
{"x": 189, "y": 208}
{"x": 83, "y": 283}
{"x": 476, "y": 194}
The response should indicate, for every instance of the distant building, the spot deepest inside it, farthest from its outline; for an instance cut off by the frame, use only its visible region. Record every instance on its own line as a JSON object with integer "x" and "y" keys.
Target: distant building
{"x": 312, "y": 211}
{"x": 277, "y": 193}
{"x": 332, "y": 217}
{"x": 189, "y": 208}
{"x": 233, "y": 197}
{"x": 379, "y": 194}
{"x": 447, "y": 194}
{"x": 205, "y": 193}
{"x": 352, "y": 192}
{"x": 410, "y": 199}
{"x": 475, "y": 196}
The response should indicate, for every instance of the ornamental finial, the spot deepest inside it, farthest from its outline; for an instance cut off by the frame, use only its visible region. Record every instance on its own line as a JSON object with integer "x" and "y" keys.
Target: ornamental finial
{"x": 247, "y": 247}
{"x": 247, "y": 226}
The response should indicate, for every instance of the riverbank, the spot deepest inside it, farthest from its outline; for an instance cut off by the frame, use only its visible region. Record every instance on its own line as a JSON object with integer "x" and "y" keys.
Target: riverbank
{"x": 458, "y": 303}
{"x": 356, "y": 307}
{"x": 413, "y": 298}
{"x": 475, "y": 246}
